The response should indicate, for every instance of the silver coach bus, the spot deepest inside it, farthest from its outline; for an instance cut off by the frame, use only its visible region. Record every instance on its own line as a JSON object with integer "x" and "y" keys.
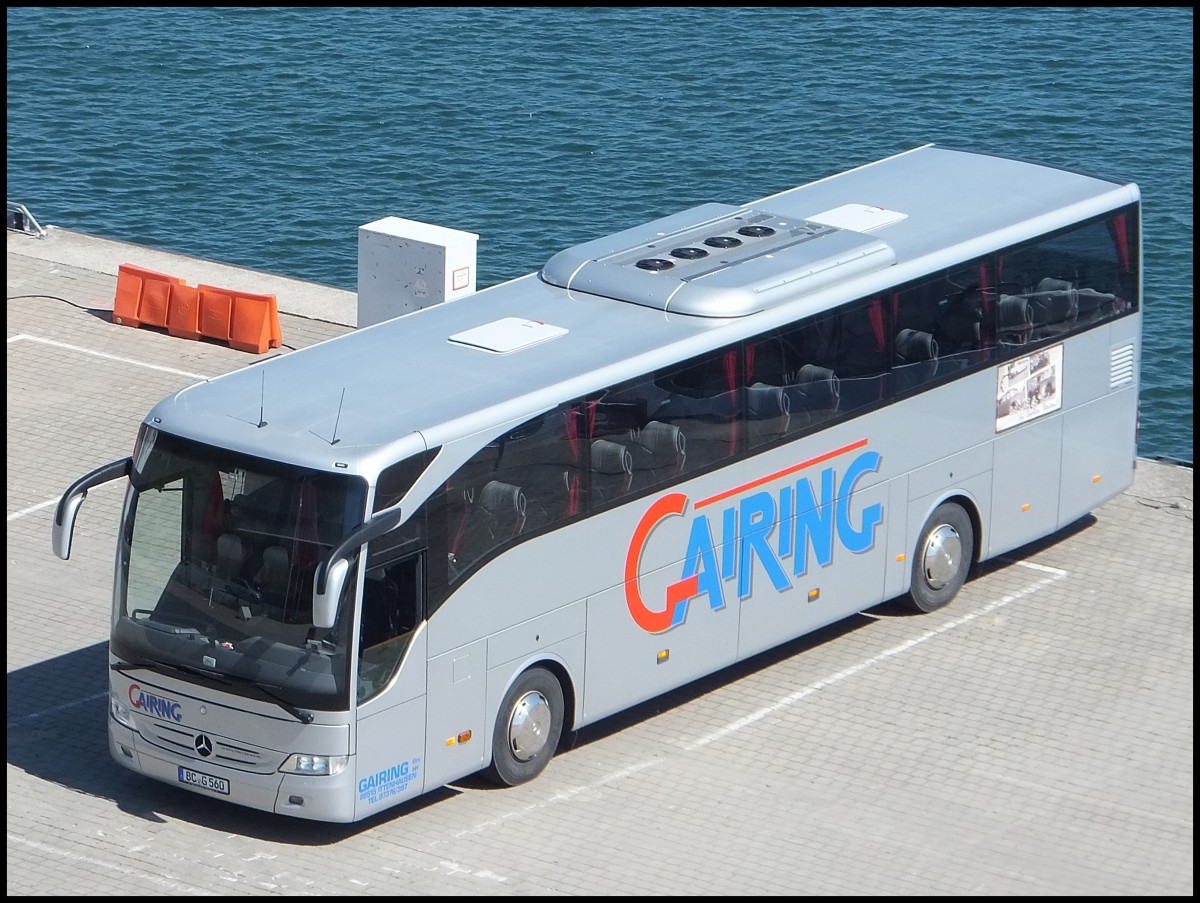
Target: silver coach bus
{"x": 354, "y": 573}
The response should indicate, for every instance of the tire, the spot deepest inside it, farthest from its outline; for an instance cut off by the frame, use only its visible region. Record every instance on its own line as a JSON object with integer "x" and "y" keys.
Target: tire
{"x": 528, "y": 728}
{"x": 942, "y": 559}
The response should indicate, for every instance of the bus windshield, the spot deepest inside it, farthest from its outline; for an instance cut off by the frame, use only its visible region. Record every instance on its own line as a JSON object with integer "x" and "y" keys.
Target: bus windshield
{"x": 215, "y": 571}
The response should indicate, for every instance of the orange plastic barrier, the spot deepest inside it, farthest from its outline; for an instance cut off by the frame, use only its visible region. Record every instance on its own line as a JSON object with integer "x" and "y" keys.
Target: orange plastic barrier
{"x": 216, "y": 312}
{"x": 255, "y": 325}
{"x": 252, "y": 321}
{"x": 143, "y": 296}
{"x": 247, "y": 321}
{"x": 183, "y": 313}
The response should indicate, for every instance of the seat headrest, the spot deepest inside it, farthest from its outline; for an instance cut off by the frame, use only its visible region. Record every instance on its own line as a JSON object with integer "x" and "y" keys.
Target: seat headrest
{"x": 275, "y": 557}
{"x": 763, "y": 401}
{"x": 913, "y": 346}
{"x": 500, "y": 498}
{"x": 611, "y": 457}
{"x": 1014, "y": 311}
{"x": 1050, "y": 284}
{"x": 663, "y": 441}
{"x": 811, "y": 373}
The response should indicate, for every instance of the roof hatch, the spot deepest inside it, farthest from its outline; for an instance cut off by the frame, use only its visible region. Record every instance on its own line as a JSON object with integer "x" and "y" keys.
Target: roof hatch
{"x": 508, "y": 334}
{"x": 717, "y": 260}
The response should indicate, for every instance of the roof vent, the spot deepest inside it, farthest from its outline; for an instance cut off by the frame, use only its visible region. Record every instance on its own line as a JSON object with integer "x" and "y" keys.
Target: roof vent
{"x": 722, "y": 241}
{"x": 654, "y": 264}
{"x": 775, "y": 259}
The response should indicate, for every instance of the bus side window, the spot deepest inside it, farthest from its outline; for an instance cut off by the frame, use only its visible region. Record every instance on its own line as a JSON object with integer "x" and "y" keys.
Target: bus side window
{"x": 496, "y": 517}
{"x": 834, "y": 365}
{"x": 914, "y": 348}
{"x": 767, "y": 401}
{"x": 612, "y": 470}
{"x": 391, "y": 610}
{"x": 380, "y": 610}
{"x": 1055, "y": 304}
{"x": 960, "y": 321}
{"x": 658, "y": 454}
{"x": 1015, "y": 320}
{"x": 544, "y": 457}
{"x": 704, "y": 402}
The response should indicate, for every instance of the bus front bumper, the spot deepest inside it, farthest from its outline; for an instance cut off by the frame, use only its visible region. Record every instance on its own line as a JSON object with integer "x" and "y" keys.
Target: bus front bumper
{"x": 327, "y": 798}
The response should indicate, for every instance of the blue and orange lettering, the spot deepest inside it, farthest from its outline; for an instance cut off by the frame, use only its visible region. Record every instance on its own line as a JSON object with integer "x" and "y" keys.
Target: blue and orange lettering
{"x": 864, "y": 537}
{"x": 398, "y": 772}
{"x": 757, "y": 520}
{"x": 700, "y": 564}
{"x": 652, "y": 621}
{"x": 787, "y": 524}
{"x": 157, "y": 706}
{"x": 814, "y": 522}
{"x": 729, "y": 556}
{"x": 794, "y": 517}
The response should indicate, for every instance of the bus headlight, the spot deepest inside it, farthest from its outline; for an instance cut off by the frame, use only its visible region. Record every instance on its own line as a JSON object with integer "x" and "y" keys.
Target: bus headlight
{"x": 119, "y": 712}
{"x": 299, "y": 763}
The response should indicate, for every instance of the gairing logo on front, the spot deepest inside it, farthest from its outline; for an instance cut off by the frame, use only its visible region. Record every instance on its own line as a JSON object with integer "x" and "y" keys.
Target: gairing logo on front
{"x": 773, "y": 527}
{"x": 158, "y": 706}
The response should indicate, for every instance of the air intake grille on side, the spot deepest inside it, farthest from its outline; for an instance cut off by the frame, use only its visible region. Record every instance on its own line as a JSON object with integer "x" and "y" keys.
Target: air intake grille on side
{"x": 1121, "y": 367}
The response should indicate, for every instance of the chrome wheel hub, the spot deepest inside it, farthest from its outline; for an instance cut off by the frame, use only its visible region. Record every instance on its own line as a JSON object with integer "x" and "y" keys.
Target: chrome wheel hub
{"x": 942, "y": 556}
{"x": 529, "y": 726}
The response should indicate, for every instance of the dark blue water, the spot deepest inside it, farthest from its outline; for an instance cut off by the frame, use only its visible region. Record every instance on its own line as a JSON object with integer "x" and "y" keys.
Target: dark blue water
{"x": 265, "y": 137}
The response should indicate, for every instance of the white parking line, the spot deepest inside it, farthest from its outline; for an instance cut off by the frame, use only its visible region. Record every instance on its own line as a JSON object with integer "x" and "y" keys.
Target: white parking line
{"x": 22, "y": 337}
{"x": 1055, "y": 574}
{"x": 54, "y": 501}
{"x": 34, "y": 716}
{"x": 168, "y": 885}
{"x": 32, "y": 508}
{"x": 793, "y": 698}
{"x": 111, "y": 357}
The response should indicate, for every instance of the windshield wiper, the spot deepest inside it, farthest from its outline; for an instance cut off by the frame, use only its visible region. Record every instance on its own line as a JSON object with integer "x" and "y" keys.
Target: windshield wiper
{"x": 122, "y": 667}
{"x": 171, "y": 666}
{"x": 299, "y": 714}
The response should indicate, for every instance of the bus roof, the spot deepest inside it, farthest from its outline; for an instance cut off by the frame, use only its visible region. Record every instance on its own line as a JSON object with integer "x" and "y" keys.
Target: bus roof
{"x": 623, "y": 305}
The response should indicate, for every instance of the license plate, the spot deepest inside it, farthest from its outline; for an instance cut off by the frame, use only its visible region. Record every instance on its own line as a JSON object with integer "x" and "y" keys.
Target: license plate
{"x": 206, "y": 781}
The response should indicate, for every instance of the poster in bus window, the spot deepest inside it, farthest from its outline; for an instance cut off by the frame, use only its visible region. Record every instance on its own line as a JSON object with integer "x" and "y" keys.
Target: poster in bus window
{"x": 1028, "y": 387}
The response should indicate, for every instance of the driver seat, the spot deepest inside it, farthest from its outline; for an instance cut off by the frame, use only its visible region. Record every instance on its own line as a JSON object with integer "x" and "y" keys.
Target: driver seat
{"x": 231, "y": 555}
{"x": 272, "y": 577}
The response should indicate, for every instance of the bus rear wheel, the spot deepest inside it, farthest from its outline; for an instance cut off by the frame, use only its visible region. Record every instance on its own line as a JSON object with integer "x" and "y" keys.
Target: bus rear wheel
{"x": 943, "y": 558}
{"x": 528, "y": 728}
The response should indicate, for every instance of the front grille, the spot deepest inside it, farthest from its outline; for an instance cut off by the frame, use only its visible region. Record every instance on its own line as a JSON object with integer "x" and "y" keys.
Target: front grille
{"x": 181, "y": 741}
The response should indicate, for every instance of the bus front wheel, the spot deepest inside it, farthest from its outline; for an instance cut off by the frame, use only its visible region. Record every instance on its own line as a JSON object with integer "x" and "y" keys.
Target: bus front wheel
{"x": 943, "y": 558}
{"x": 528, "y": 728}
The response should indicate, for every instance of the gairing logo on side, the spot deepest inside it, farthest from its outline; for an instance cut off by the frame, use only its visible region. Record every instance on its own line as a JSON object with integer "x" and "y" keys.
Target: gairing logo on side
{"x": 773, "y": 527}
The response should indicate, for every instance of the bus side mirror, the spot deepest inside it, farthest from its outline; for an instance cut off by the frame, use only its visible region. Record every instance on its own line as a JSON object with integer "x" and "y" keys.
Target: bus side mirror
{"x": 331, "y": 573}
{"x": 64, "y": 523}
{"x": 68, "y": 506}
{"x": 325, "y": 603}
